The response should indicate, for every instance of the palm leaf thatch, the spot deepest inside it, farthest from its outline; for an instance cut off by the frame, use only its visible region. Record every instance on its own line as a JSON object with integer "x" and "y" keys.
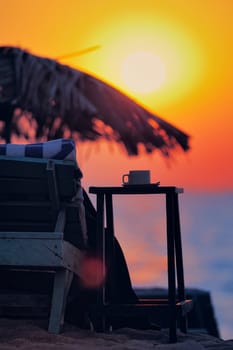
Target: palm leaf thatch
{"x": 59, "y": 101}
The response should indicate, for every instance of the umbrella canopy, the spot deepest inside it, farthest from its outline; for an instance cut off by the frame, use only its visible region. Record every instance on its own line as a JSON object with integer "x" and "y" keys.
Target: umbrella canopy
{"x": 59, "y": 101}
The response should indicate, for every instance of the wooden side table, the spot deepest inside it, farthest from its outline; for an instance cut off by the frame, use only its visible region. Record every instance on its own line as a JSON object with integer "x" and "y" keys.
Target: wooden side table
{"x": 176, "y": 302}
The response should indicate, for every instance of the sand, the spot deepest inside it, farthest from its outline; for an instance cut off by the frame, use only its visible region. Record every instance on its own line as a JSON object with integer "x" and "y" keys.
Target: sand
{"x": 28, "y": 334}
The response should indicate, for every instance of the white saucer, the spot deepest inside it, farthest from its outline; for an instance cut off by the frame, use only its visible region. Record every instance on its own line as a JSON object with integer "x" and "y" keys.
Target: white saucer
{"x": 142, "y": 185}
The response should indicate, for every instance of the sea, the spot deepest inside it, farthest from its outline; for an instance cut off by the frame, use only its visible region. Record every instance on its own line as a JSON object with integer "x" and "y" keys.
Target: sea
{"x": 207, "y": 240}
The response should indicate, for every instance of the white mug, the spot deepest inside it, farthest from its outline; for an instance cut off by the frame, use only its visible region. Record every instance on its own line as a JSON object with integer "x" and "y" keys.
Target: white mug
{"x": 136, "y": 177}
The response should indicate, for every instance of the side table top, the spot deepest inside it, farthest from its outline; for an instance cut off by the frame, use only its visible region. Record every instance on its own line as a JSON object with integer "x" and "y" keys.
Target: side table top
{"x": 135, "y": 189}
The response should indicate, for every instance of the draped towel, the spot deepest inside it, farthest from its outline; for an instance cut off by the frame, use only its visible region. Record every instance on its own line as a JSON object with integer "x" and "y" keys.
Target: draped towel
{"x": 61, "y": 149}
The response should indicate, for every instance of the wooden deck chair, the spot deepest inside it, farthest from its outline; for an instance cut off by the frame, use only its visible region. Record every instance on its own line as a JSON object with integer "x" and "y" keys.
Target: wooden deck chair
{"x": 40, "y": 227}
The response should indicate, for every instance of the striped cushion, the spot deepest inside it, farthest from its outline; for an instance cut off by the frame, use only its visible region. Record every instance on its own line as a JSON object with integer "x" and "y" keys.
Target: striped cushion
{"x": 62, "y": 149}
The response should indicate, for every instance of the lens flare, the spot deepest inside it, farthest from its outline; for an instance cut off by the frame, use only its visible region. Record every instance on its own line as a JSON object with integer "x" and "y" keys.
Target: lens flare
{"x": 92, "y": 272}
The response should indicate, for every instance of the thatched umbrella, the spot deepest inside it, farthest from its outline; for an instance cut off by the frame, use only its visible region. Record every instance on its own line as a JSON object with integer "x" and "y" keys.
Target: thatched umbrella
{"x": 60, "y": 101}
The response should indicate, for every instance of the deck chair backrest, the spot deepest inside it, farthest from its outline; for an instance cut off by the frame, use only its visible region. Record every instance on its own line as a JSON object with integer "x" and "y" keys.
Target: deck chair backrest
{"x": 24, "y": 177}
{"x": 33, "y": 190}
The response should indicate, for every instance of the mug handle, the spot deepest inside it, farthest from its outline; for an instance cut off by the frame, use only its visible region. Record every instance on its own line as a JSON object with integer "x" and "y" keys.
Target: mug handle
{"x": 123, "y": 178}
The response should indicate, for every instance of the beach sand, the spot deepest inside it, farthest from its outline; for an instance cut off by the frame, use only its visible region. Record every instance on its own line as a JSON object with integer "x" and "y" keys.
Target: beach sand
{"x": 32, "y": 335}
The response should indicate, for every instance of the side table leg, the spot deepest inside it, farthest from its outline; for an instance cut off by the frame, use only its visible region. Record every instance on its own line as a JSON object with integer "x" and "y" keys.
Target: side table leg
{"x": 171, "y": 265}
{"x": 110, "y": 249}
{"x": 179, "y": 263}
{"x": 100, "y": 239}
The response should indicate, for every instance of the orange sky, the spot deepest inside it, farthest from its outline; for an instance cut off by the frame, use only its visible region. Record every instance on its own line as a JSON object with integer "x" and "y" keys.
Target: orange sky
{"x": 194, "y": 42}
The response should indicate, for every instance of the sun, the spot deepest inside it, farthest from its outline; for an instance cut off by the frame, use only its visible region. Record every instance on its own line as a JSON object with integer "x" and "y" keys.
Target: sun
{"x": 143, "y": 71}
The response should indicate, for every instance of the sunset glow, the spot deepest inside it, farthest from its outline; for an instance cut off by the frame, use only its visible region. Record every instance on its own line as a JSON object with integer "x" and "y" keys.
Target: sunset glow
{"x": 147, "y": 58}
